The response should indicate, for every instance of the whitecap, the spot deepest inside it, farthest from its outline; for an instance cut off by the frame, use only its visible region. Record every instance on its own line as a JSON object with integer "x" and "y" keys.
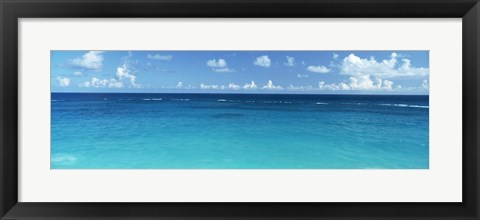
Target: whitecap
{"x": 406, "y": 106}
{"x": 354, "y": 103}
{"x": 221, "y": 100}
{"x": 419, "y": 106}
{"x": 321, "y": 103}
{"x": 181, "y": 100}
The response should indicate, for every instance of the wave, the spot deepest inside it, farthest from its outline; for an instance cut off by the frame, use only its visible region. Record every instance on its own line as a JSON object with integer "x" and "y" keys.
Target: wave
{"x": 258, "y": 101}
{"x": 181, "y": 100}
{"x": 271, "y": 102}
{"x": 53, "y": 100}
{"x": 226, "y": 100}
{"x": 354, "y": 103}
{"x": 406, "y": 106}
{"x": 419, "y": 106}
{"x": 321, "y": 103}
{"x": 153, "y": 99}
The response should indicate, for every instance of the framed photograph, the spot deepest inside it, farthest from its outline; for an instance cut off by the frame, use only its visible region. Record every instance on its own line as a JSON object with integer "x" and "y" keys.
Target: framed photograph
{"x": 239, "y": 109}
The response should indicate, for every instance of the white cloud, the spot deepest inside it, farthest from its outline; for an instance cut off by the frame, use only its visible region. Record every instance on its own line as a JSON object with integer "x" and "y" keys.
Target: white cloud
{"x": 301, "y": 88}
{"x": 230, "y": 86}
{"x": 425, "y": 84}
{"x": 343, "y": 86}
{"x": 124, "y": 76}
{"x": 271, "y": 86}
{"x": 323, "y": 86}
{"x": 125, "y": 72}
{"x": 387, "y": 84}
{"x": 160, "y": 57}
{"x": 102, "y": 83}
{"x": 91, "y": 60}
{"x": 204, "y": 86}
{"x": 340, "y": 86}
{"x": 223, "y": 70}
{"x": 217, "y": 64}
{"x": 335, "y": 55}
{"x": 263, "y": 61}
{"x": 358, "y": 83}
{"x": 302, "y": 75}
{"x": 356, "y": 66}
{"x": 63, "y": 81}
{"x": 179, "y": 84}
{"x": 362, "y": 83}
{"x": 251, "y": 85}
{"x": 233, "y": 86}
{"x": 318, "y": 69}
{"x": 290, "y": 61}
{"x": 78, "y": 73}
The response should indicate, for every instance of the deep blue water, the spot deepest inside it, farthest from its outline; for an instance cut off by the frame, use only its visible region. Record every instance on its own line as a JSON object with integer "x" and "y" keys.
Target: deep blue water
{"x": 238, "y": 131}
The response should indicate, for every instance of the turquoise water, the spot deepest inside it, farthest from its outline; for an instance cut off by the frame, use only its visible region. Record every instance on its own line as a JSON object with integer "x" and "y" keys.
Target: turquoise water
{"x": 233, "y": 131}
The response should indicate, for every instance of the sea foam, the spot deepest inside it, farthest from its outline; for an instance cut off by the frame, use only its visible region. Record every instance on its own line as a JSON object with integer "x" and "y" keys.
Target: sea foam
{"x": 405, "y": 105}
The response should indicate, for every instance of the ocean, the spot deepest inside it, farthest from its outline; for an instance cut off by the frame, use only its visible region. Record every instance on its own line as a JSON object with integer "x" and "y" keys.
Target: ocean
{"x": 238, "y": 131}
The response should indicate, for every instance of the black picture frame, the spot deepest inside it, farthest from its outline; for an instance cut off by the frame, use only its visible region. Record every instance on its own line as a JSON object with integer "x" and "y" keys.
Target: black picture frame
{"x": 12, "y": 10}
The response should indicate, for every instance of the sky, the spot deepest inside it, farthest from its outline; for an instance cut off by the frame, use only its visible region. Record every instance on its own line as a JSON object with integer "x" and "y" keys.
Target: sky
{"x": 288, "y": 72}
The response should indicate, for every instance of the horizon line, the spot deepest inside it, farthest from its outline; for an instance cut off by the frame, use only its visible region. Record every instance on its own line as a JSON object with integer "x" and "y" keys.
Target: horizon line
{"x": 176, "y": 93}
